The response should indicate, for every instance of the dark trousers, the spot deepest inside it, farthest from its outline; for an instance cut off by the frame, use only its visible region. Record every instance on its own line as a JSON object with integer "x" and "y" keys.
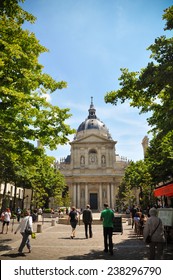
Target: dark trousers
{"x": 156, "y": 251}
{"x": 88, "y": 225}
{"x": 25, "y": 241}
{"x": 107, "y": 232}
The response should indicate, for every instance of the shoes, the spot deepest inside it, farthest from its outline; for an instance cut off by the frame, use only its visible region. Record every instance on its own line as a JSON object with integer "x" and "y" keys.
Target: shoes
{"x": 71, "y": 237}
{"x": 21, "y": 254}
{"x": 29, "y": 251}
{"x": 111, "y": 253}
{"x": 106, "y": 250}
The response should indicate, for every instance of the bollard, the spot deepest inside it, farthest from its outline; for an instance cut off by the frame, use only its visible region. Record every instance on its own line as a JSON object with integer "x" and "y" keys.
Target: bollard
{"x": 53, "y": 223}
{"x": 39, "y": 228}
{"x": 129, "y": 221}
{"x": 39, "y": 218}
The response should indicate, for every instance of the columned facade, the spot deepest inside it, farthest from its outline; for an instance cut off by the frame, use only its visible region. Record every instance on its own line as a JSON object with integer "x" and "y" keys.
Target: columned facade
{"x": 92, "y": 171}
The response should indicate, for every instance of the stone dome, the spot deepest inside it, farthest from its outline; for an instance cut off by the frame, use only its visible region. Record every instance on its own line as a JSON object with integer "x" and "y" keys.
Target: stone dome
{"x": 93, "y": 124}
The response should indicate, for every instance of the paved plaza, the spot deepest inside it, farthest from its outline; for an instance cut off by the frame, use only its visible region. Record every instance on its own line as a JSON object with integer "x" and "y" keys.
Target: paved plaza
{"x": 54, "y": 243}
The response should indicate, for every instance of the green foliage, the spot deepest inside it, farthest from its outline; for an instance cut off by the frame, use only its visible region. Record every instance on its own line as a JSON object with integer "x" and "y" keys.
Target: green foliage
{"x": 125, "y": 195}
{"x": 47, "y": 210}
{"x": 151, "y": 90}
{"x": 66, "y": 200}
{"x": 25, "y": 113}
{"x": 137, "y": 176}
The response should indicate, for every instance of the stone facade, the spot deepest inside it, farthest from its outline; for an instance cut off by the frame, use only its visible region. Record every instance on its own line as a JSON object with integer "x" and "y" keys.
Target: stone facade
{"x": 93, "y": 172}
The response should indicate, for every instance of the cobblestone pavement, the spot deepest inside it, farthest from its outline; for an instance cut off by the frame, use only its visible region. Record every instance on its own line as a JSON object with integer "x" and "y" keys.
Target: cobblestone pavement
{"x": 54, "y": 243}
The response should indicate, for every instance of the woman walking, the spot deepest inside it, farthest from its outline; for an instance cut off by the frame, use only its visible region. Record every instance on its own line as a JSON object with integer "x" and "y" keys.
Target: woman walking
{"x": 26, "y": 222}
{"x": 73, "y": 217}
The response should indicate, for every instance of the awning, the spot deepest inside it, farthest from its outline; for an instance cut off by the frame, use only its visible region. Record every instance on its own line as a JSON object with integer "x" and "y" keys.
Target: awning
{"x": 165, "y": 190}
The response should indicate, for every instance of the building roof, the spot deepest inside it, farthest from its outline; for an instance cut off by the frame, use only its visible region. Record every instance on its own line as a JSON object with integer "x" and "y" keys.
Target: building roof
{"x": 93, "y": 123}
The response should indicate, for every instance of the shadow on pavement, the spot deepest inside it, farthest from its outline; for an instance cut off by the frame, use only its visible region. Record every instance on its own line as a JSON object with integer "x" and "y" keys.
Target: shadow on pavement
{"x": 3, "y": 246}
{"x": 14, "y": 255}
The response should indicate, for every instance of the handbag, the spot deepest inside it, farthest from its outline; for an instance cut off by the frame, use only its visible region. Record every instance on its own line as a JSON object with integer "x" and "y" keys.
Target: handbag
{"x": 33, "y": 235}
{"x": 28, "y": 229}
{"x": 148, "y": 239}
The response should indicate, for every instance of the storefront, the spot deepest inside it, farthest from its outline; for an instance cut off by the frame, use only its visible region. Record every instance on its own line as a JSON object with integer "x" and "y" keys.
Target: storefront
{"x": 165, "y": 194}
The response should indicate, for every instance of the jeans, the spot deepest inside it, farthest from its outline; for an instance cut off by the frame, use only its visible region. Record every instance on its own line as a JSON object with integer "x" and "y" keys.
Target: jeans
{"x": 25, "y": 241}
{"x": 107, "y": 232}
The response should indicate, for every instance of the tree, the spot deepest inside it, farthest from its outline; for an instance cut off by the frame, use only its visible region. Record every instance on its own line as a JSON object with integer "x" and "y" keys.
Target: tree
{"x": 125, "y": 195}
{"x": 150, "y": 90}
{"x": 25, "y": 113}
{"x": 47, "y": 182}
{"x": 137, "y": 176}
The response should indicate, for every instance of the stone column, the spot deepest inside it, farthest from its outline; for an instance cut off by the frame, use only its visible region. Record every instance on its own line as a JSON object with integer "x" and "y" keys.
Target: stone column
{"x": 112, "y": 196}
{"x": 86, "y": 194}
{"x": 108, "y": 194}
{"x": 100, "y": 197}
{"x": 78, "y": 196}
{"x": 74, "y": 194}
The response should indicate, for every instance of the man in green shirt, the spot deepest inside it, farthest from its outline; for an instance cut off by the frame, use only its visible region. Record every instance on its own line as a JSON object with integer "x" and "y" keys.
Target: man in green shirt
{"x": 107, "y": 216}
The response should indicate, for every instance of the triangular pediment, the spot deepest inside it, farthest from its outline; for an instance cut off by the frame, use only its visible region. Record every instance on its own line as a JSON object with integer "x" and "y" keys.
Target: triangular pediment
{"x": 93, "y": 138}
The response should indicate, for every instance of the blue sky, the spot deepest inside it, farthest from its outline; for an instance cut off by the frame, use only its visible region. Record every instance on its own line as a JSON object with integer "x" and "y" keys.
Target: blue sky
{"x": 89, "y": 41}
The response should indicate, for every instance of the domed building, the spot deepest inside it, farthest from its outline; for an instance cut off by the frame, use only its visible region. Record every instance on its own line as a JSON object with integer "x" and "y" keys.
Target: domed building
{"x": 92, "y": 171}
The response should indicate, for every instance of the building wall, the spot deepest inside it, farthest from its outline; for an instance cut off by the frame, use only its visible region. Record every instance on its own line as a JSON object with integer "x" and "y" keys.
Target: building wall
{"x": 93, "y": 174}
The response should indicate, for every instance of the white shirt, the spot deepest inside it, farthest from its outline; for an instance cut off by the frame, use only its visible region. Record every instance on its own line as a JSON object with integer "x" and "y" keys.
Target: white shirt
{"x": 23, "y": 224}
{"x": 7, "y": 216}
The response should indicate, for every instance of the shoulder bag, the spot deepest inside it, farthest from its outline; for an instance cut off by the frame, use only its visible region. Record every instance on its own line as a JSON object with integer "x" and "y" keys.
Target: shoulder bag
{"x": 28, "y": 229}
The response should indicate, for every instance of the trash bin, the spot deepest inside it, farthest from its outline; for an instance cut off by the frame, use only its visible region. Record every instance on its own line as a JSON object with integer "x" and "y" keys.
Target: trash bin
{"x": 39, "y": 228}
{"x": 53, "y": 223}
{"x": 129, "y": 221}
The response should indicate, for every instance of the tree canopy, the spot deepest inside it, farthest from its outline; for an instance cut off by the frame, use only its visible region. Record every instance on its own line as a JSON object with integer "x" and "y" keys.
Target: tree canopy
{"x": 151, "y": 90}
{"x": 25, "y": 114}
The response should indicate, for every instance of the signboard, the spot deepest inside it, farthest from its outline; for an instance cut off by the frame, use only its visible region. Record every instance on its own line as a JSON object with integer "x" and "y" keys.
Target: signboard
{"x": 117, "y": 225}
{"x": 166, "y": 215}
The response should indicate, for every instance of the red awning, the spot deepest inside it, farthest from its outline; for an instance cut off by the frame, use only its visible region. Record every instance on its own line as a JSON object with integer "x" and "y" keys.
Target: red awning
{"x": 165, "y": 190}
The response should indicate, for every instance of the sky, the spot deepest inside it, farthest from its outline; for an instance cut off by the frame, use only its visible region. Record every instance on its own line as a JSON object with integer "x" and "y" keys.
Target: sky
{"x": 89, "y": 41}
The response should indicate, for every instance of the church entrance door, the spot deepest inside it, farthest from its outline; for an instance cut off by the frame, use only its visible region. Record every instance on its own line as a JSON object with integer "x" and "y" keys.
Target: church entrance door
{"x": 93, "y": 200}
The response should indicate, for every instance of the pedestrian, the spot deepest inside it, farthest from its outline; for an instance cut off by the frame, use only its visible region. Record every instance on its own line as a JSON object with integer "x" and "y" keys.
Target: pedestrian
{"x": 155, "y": 229}
{"x": 18, "y": 212}
{"x": 73, "y": 217}
{"x": 40, "y": 211}
{"x": 25, "y": 223}
{"x": 133, "y": 211}
{"x": 87, "y": 220}
{"x": 34, "y": 216}
{"x": 107, "y": 216}
{"x": 6, "y": 216}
